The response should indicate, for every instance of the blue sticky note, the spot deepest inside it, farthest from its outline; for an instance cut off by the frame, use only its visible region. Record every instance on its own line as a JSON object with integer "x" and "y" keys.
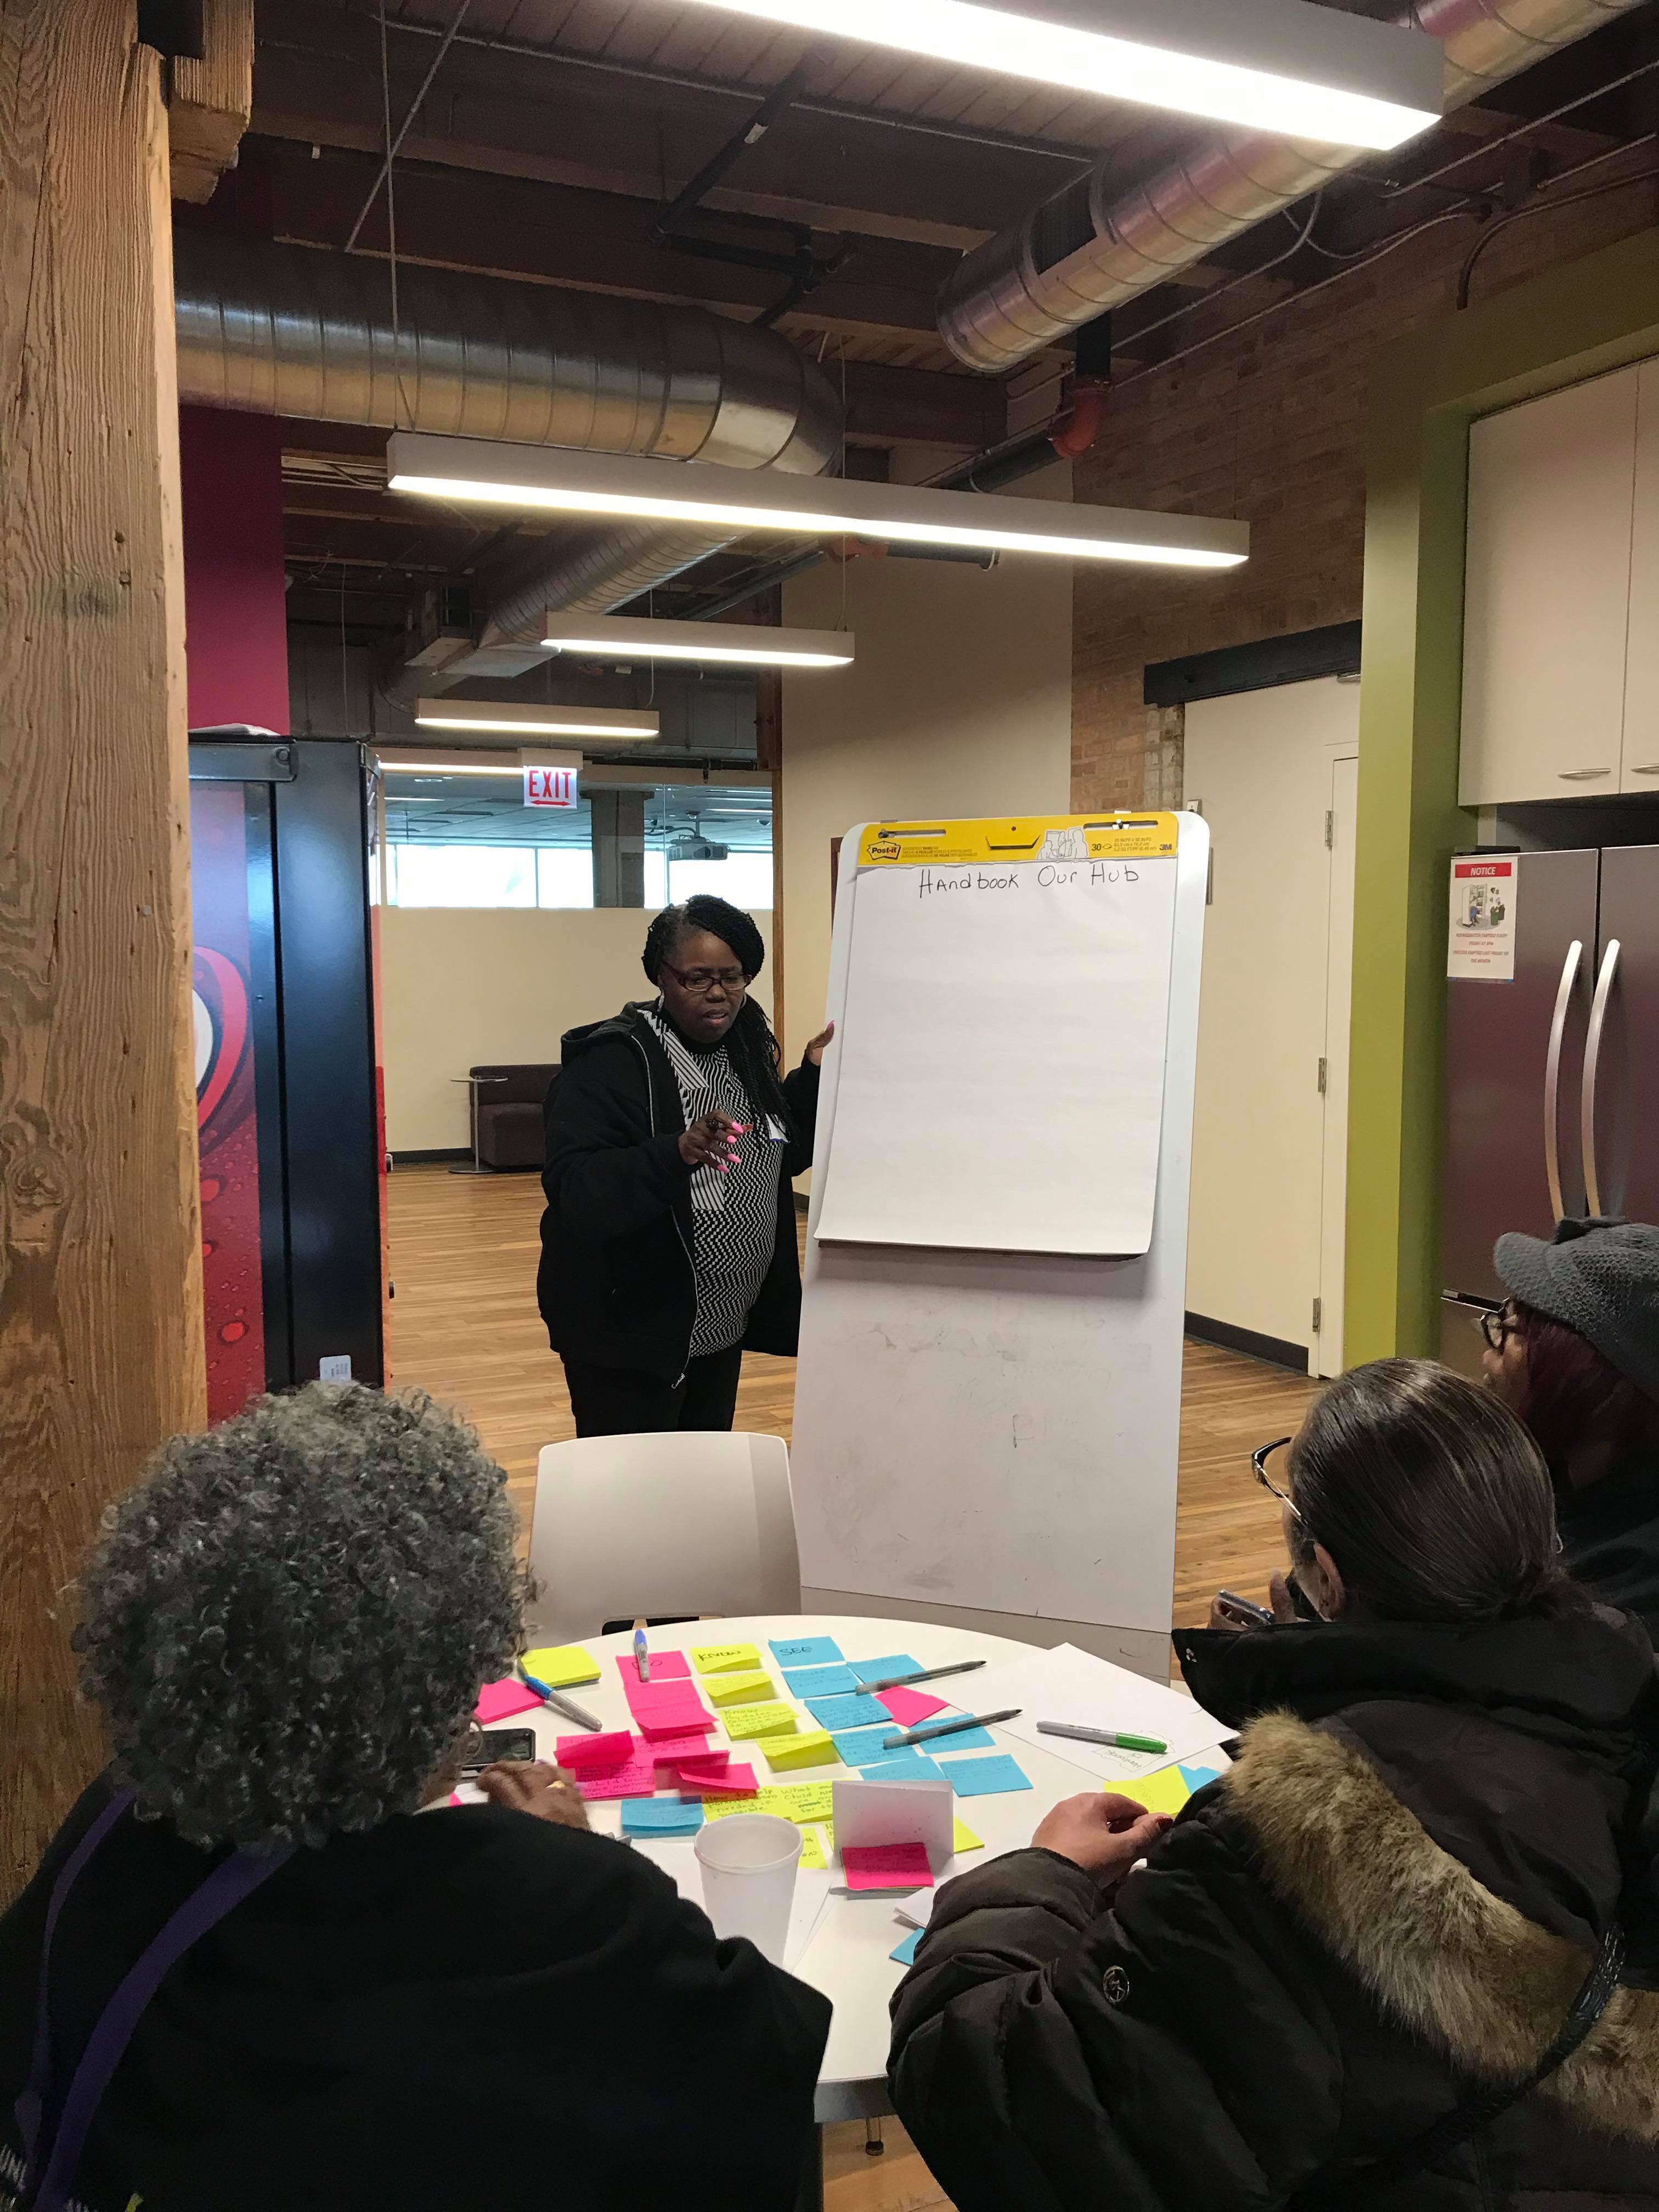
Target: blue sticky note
{"x": 857, "y": 1712}
{"x": 660, "y": 1816}
{"x": 864, "y": 1746}
{"x": 903, "y": 1766}
{"x": 986, "y": 1777}
{"x": 974, "y": 1739}
{"x": 905, "y": 1952}
{"x": 1199, "y": 1777}
{"x": 805, "y": 1651}
{"x": 898, "y": 1662}
{"x": 820, "y": 1681}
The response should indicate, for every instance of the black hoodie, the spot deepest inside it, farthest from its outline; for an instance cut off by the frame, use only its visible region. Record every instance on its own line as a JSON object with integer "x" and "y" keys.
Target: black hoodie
{"x": 1389, "y": 1901}
{"x": 616, "y": 1284}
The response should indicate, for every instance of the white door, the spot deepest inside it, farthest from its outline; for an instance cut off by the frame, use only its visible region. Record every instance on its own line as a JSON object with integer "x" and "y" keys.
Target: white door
{"x": 1338, "y": 999}
{"x": 1268, "y": 1145}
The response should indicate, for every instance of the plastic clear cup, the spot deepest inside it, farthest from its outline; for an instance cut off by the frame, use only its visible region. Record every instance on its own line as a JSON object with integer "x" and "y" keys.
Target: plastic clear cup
{"x": 749, "y": 1863}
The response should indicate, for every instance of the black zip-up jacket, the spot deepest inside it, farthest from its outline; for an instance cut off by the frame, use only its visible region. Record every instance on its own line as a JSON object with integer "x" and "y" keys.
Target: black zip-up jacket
{"x": 615, "y": 1285}
{"x": 468, "y": 2011}
{"x": 1387, "y": 1904}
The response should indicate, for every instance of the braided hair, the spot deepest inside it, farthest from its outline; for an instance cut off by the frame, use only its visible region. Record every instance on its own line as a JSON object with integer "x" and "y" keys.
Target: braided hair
{"x": 750, "y": 1044}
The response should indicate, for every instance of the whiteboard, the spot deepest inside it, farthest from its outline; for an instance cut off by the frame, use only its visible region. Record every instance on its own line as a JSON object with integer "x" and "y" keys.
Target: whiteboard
{"x": 1000, "y": 1085}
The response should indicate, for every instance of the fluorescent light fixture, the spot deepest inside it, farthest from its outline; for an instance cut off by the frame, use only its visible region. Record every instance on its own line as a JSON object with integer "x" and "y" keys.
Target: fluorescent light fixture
{"x": 631, "y": 637}
{"x": 1279, "y": 65}
{"x": 523, "y": 719}
{"x": 538, "y": 478}
{"x": 398, "y": 762}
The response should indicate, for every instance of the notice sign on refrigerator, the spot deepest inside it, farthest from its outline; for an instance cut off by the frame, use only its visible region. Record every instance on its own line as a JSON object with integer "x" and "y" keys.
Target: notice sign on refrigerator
{"x": 1480, "y": 945}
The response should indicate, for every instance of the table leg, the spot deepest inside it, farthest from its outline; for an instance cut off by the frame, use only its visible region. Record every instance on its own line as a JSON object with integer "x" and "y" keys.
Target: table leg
{"x": 811, "y": 2196}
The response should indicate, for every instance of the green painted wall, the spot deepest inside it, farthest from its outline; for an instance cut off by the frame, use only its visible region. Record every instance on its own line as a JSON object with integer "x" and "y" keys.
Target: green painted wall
{"x": 1580, "y": 320}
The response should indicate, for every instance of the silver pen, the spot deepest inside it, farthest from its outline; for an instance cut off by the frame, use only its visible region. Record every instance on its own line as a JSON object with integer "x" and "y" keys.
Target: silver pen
{"x": 556, "y": 1700}
{"x": 929, "y": 1729}
{"x": 922, "y": 1674}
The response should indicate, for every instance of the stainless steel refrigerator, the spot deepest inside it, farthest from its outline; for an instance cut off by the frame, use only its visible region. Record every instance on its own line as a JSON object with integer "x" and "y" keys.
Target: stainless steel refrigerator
{"x": 1552, "y": 1079}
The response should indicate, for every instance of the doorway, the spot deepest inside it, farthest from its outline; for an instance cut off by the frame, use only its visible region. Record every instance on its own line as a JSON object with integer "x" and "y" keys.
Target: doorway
{"x": 1275, "y": 774}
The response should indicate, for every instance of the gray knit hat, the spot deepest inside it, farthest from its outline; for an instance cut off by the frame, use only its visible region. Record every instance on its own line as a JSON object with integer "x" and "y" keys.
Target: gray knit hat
{"x": 1600, "y": 1278}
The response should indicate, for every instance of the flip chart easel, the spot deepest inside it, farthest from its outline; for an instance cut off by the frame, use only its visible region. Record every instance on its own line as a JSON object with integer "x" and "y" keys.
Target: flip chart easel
{"x": 988, "y": 1392}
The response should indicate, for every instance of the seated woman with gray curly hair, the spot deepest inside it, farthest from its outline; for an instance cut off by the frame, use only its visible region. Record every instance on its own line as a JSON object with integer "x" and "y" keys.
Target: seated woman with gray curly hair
{"x": 287, "y": 1626}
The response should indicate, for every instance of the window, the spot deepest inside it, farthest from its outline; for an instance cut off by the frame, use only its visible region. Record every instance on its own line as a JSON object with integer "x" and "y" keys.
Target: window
{"x": 461, "y": 875}
{"x": 564, "y": 875}
{"x": 743, "y": 879}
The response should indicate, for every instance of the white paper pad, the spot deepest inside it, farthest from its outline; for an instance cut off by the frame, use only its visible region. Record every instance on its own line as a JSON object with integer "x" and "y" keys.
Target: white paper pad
{"x": 867, "y": 1812}
{"x": 916, "y": 1910}
{"x": 1072, "y": 1686}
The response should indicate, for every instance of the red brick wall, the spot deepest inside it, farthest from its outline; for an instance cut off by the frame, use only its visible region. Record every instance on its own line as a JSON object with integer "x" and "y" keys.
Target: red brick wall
{"x": 1268, "y": 425}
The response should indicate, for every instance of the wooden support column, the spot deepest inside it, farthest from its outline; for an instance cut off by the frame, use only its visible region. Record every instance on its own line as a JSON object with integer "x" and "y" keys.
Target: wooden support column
{"x": 101, "y": 1310}
{"x": 211, "y": 99}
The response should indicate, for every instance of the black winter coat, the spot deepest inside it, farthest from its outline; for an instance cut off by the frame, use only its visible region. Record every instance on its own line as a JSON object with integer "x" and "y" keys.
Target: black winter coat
{"x": 469, "y": 2011}
{"x": 1391, "y": 1900}
{"x": 615, "y": 1285}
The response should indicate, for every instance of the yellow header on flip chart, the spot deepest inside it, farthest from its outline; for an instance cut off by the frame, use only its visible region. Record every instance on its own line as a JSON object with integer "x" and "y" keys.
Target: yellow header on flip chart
{"x": 1042, "y": 837}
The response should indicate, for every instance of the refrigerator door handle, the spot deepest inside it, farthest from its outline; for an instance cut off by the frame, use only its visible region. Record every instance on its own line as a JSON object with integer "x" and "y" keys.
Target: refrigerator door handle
{"x": 1552, "y": 1075}
{"x": 1604, "y": 983}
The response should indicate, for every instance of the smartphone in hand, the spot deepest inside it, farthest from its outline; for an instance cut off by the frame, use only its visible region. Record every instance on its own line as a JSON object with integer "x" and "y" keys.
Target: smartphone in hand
{"x": 496, "y": 1747}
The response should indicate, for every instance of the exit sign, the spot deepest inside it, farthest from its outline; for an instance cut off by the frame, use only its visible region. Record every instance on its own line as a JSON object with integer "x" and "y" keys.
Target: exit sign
{"x": 549, "y": 787}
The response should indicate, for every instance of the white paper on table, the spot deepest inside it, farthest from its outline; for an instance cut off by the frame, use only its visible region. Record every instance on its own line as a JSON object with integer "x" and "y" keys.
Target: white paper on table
{"x": 676, "y": 1858}
{"x": 1025, "y": 998}
{"x": 874, "y": 1813}
{"x": 916, "y": 1910}
{"x": 1072, "y": 1686}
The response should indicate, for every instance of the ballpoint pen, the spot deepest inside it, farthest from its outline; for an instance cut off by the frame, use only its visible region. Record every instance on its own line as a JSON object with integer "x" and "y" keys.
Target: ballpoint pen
{"x": 921, "y": 1675}
{"x": 930, "y": 1729}
{"x": 642, "y": 1655}
{"x": 558, "y": 1703}
{"x": 1115, "y": 1738}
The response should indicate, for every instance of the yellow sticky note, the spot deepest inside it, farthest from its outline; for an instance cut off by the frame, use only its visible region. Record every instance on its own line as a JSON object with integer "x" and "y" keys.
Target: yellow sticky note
{"x": 1165, "y": 1791}
{"x": 812, "y": 1748}
{"x": 561, "y": 1666}
{"x": 812, "y": 1851}
{"x": 964, "y": 1839}
{"x": 724, "y": 1658}
{"x": 719, "y": 1808}
{"x": 743, "y": 1721}
{"x": 739, "y": 1689}
{"x": 799, "y": 1800}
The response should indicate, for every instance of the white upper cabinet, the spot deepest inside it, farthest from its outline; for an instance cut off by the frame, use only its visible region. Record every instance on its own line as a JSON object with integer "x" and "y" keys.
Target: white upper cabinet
{"x": 1641, "y": 762}
{"x": 1548, "y": 630}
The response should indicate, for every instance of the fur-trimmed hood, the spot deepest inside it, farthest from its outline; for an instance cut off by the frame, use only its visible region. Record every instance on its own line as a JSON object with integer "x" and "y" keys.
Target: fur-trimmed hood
{"x": 1442, "y": 1955}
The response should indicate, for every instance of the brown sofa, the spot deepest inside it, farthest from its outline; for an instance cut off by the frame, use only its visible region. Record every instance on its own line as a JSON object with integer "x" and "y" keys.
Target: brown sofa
{"x": 510, "y": 1096}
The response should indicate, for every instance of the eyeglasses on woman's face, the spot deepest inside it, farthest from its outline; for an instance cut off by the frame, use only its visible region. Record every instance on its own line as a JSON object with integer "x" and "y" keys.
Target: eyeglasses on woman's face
{"x": 1497, "y": 1325}
{"x": 704, "y": 982}
{"x": 1259, "y": 1459}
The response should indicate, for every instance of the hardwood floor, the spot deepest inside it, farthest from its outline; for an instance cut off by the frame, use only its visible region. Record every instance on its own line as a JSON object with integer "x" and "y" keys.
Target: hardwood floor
{"x": 465, "y": 1327}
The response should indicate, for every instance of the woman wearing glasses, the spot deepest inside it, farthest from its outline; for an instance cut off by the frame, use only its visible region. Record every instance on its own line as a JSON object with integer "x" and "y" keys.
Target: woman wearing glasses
{"x": 1405, "y": 1954}
{"x": 668, "y": 1243}
{"x": 1575, "y": 1350}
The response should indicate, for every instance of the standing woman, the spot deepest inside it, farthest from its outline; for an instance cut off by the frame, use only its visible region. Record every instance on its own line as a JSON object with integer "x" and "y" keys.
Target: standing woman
{"x": 668, "y": 1243}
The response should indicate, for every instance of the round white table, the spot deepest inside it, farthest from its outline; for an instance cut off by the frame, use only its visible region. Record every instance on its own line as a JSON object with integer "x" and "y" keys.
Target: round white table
{"x": 848, "y": 1958}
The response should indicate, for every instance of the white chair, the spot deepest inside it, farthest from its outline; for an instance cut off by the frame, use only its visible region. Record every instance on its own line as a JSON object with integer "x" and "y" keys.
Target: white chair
{"x": 688, "y": 1522}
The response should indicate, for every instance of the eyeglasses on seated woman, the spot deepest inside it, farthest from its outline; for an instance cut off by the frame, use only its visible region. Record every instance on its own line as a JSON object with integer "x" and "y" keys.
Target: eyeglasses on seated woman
{"x": 1404, "y": 1953}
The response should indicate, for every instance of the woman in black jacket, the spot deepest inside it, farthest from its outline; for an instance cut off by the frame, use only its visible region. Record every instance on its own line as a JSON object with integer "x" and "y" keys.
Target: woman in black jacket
{"x": 287, "y": 1626}
{"x": 668, "y": 1243}
{"x": 1334, "y": 1976}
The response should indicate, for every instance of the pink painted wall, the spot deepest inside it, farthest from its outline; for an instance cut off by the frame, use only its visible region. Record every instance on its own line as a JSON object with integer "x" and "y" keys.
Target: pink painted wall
{"x": 235, "y": 612}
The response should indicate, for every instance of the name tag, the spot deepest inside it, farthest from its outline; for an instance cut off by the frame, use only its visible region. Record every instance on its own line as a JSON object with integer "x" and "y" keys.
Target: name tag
{"x": 775, "y": 1129}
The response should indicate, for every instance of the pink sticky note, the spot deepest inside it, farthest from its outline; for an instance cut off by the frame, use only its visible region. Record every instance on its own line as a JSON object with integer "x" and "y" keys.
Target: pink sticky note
{"x": 675, "y": 1710}
{"x": 697, "y": 1762}
{"x": 665, "y": 1667}
{"x": 667, "y": 1750}
{"x": 909, "y": 1706}
{"x": 453, "y": 1799}
{"x": 886, "y": 1866}
{"x": 614, "y": 1748}
{"x": 734, "y": 1781}
{"x": 498, "y": 1701}
{"x": 637, "y": 1779}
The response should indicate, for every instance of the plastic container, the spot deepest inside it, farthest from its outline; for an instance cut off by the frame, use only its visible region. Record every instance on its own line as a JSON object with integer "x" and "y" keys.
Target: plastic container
{"x": 748, "y": 1864}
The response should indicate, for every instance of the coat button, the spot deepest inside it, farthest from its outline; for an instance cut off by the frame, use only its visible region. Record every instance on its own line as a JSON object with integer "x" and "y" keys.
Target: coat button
{"x": 1115, "y": 1983}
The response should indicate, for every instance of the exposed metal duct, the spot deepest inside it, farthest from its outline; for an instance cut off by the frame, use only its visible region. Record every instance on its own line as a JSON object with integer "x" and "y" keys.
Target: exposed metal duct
{"x": 1097, "y": 242}
{"x": 286, "y": 330}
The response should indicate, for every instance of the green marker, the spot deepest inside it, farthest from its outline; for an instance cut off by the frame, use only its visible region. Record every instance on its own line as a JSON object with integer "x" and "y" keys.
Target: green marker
{"x": 1114, "y": 1738}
